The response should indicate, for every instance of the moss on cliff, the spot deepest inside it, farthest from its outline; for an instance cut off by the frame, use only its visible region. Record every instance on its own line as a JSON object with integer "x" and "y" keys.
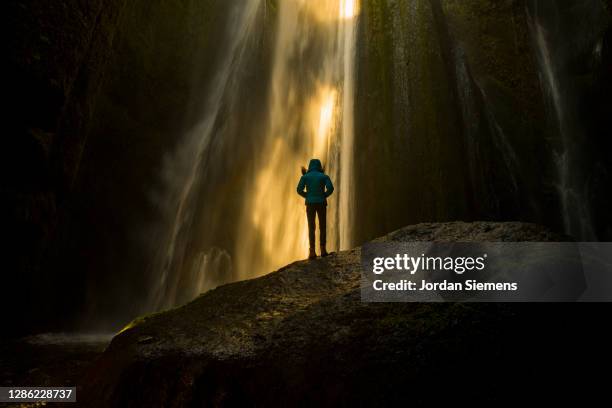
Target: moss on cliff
{"x": 406, "y": 121}
{"x": 418, "y": 62}
{"x": 495, "y": 36}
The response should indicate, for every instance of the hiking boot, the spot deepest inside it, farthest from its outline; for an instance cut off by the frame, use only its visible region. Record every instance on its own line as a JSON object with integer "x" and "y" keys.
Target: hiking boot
{"x": 312, "y": 254}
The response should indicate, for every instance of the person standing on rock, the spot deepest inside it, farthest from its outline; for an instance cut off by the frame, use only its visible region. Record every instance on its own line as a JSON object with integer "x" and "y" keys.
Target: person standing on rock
{"x": 315, "y": 186}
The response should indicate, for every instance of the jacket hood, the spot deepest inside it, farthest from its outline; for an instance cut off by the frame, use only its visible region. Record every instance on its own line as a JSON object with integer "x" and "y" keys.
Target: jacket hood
{"x": 315, "y": 165}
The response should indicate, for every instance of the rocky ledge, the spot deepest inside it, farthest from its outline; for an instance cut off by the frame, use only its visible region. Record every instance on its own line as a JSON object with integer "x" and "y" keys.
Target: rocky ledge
{"x": 301, "y": 336}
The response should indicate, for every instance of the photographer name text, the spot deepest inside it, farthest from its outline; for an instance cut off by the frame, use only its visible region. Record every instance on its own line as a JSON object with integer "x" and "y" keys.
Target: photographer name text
{"x": 406, "y": 264}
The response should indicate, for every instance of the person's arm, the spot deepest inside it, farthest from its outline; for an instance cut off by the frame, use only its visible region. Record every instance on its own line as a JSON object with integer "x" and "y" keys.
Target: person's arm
{"x": 329, "y": 187}
{"x": 301, "y": 187}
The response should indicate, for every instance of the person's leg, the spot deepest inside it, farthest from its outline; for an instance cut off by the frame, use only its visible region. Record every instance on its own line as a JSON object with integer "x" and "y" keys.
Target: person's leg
{"x": 310, "y": 215}
{"x": 322, "y": 212}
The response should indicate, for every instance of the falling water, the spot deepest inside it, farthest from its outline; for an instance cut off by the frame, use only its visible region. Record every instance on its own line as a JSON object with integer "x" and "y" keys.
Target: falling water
{"x": 310, "y": 116}
{"x": 574, "y": 202}
{"x": 475, "y": 102}
{"x": 183, "y": 171}
{"x": 347, "y": 198}
{"x": 309, "y": 113}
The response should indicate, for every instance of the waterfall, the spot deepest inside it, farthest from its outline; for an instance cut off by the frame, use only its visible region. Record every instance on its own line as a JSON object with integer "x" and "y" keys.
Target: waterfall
{"x": 308, "y": 114}
{"x": 347, "y": 197}
{"x": 183, "y": 170}
{"x": 570, "y": 186}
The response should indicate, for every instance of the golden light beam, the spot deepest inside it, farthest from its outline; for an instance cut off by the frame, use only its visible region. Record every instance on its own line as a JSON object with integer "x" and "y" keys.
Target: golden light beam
{"x": 348, "y": 9}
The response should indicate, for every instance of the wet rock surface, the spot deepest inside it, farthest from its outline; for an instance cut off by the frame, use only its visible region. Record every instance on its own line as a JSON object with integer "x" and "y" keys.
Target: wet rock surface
{"x": 302, "y": 336}
{"x": 48, "y": 360}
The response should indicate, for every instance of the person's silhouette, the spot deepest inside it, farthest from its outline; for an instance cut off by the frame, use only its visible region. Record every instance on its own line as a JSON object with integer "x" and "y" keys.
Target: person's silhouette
{"x": 315, "y": 186}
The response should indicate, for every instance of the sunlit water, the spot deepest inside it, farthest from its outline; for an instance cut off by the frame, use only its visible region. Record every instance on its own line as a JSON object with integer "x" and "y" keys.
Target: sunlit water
{"x": 183, "y": 172}
{"x": 309, "y": 115}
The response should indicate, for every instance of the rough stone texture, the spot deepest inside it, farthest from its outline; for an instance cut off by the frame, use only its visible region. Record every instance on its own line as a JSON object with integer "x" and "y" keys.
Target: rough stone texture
{"x": 301, "y": 336}
{"x": 452, "y": 115}
{"x": 444, "y": 87}
{"x": 48, "y": 360}
{"x": 406, "y": 122}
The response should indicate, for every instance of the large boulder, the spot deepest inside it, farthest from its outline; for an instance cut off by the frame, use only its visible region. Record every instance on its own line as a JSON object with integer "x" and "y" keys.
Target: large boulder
{"x": 302, "y": 336}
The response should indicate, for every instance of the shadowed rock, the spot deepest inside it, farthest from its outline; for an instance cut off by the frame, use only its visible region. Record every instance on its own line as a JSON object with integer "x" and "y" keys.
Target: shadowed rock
{"x": 302, "y": 336}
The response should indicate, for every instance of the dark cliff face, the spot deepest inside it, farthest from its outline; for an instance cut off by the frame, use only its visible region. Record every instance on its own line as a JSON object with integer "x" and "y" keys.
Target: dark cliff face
{"x": 57, "y": 60}
{"x": 578, "y": 34}
{"x": 451, "y": 93}
{"x": 406, "y": 117}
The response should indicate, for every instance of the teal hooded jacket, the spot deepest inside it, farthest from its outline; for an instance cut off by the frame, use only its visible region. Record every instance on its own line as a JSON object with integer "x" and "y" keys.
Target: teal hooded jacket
{"x": 315, "y": 186}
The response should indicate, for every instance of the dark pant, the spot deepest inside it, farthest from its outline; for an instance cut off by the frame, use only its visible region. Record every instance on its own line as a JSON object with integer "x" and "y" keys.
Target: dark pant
{"x": 321, "y": 211}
